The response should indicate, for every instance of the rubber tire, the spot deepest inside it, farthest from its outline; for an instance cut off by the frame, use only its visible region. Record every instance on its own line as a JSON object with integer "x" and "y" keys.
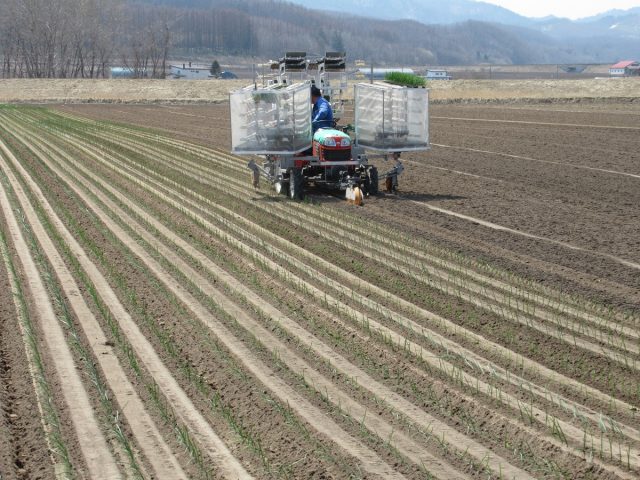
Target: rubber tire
{"x": 281, "y": 188}
{"x": 373, "y": 181}
{"x": 296, "y": 184}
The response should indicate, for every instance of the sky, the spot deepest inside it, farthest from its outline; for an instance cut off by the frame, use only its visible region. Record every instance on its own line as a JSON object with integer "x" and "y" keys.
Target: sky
{"x": 563, "y": 8}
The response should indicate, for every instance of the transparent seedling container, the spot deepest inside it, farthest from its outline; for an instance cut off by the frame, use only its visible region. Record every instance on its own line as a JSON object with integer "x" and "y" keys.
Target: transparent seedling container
{"x": 391, "y": 118}
{"x": 271, "y": 120}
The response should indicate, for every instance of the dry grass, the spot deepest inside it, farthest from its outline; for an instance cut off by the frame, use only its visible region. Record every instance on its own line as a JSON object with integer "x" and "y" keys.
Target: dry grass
{"x": 207, "y": 91}
{"x": 535, "y": 89}
{"x": 115, "y": 91}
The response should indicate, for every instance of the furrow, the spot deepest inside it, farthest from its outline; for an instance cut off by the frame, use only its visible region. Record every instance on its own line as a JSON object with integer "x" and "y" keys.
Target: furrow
{"x": 370, "y": 461}
{"x": 448, "y": 325}
{"x": 93, "y": 445}
{"x": 148, "y": 438}
{"x": 183, "y": 406}
{"x": 578, "y": 435}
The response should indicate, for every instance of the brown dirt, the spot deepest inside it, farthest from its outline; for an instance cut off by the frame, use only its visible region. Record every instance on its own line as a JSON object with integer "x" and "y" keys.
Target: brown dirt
{"x": 248, "y": 402}
{"x": 132, "y": 195}
{"x": 513, "y": 191}
{"x": 560, "y": 201}
{"x": 207, "y": 91}
{"x": 23, "y": 451}
{"x": 497, "y": 331}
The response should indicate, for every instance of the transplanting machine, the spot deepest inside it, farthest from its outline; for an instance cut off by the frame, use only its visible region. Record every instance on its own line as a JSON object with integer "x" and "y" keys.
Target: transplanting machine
{"x": 274, "y": 121}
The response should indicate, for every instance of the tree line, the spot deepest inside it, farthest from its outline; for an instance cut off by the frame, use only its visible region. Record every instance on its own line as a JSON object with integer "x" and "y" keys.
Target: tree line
{"x": 83, "y": 38}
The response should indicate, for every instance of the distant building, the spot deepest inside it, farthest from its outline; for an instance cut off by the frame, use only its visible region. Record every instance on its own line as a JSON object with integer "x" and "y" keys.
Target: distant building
{"x": 627, "y": 68}
{"x": 190, "y": 72}
{"x": 379, "y": 73}
{"x": 127, "y": 72}
{"x": 437, "y": 75}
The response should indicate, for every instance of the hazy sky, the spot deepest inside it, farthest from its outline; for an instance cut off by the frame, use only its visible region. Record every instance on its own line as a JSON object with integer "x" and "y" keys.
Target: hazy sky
{"x": 563, "y": 8}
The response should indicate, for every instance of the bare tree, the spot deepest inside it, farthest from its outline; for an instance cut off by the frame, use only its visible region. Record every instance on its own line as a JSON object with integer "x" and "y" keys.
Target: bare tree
{"x": 58, "y": 38}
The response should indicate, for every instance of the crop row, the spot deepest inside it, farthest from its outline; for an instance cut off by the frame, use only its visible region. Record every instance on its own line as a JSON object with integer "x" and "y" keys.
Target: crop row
{"x": 202, "y": 284}
{"x": 272, "y": 208}
{"x": 350, "y": 306}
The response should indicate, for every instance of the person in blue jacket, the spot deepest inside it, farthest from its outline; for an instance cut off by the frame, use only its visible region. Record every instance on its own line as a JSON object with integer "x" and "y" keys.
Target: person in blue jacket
{"x": 321, "y": 114}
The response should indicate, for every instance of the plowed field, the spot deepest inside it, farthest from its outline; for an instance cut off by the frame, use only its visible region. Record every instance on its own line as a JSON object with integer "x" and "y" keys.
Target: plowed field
{"x": 162, "y": 319}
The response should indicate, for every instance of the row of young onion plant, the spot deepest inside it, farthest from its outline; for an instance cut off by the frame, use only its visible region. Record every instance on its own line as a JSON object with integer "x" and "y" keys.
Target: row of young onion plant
{"x": 56, "y": 441}
{"x": 270, "y": 207}
{"x": 283, "y": 409}
{"x": 510, "y": 304}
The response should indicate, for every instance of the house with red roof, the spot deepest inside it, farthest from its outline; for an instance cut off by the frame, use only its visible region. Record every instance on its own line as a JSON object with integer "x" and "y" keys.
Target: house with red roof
{"x": 626, "y": 68}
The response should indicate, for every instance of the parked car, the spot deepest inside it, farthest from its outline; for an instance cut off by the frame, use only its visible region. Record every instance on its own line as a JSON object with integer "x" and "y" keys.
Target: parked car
{"x": 227, "y": 75}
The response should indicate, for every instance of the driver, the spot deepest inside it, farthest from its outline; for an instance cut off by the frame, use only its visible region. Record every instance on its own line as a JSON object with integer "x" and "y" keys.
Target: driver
{"x": 321, "y": 114}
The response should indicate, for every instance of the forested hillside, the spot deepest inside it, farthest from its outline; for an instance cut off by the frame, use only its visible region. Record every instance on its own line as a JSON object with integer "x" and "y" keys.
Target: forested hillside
{"x": 73, "y": 38}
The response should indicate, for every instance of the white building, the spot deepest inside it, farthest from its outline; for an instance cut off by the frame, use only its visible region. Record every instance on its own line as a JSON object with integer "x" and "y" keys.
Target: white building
{"x": 625, "y": 68}
{"x": 437, "y": 75}
{"x": 190, "y": 72}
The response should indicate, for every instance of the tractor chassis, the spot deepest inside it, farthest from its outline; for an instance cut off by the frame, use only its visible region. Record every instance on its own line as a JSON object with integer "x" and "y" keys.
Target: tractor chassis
{"x": 291, "y": 175}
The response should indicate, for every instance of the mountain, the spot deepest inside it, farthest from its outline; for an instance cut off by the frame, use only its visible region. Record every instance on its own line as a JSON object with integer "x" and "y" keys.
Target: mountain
{"x": 456, "y": 32}
{"x": 611, "y": 13}
{"x": 614, "y": 23}
{"x": 614, "y": 26}
{"x": 611, "y": 33}
{"x": 424, "y": 11}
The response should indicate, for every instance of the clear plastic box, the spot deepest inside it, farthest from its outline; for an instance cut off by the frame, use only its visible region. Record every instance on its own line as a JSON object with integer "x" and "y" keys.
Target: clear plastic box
{"x": 391, "y": 118}
{"x": 271, "y": 120}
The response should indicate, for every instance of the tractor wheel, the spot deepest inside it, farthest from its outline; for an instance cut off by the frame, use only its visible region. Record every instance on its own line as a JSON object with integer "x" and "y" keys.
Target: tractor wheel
{"x": 281, "y": 187}
{"x": 296, "y": 184}
{"x": 373, "y": 181}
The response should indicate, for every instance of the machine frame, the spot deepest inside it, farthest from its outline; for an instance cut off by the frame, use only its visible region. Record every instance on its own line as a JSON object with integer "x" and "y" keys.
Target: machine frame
{"x": 292, "y": 173}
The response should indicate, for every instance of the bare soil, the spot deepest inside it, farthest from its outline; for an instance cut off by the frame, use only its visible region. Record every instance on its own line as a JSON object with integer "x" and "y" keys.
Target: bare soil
{"x": 198, "y": 350}
{"x": 310, "y": 357}
{"x": 23, "y": 447}
{"x": 563, "y": 174}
